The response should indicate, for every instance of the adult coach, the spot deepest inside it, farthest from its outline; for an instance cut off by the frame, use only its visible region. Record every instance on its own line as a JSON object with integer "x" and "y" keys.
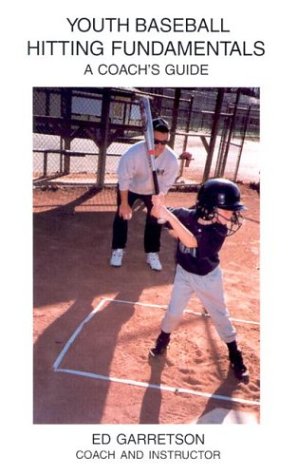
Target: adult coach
{"x": 135, "y": 183}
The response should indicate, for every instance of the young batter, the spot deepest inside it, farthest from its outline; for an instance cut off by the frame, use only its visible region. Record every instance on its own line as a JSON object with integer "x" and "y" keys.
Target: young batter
{"x": 201, "y": 233}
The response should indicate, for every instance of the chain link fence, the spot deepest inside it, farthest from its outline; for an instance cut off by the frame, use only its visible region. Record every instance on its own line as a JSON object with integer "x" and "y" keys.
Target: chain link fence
{"x": 69, "y": 132}
{"x": 79, "y": 134}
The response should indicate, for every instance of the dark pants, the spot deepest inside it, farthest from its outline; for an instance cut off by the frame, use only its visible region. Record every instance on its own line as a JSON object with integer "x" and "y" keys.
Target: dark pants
{"x": 152, "y": 230}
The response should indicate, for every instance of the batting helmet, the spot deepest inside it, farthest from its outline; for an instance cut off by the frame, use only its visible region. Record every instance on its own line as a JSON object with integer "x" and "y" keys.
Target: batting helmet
{"x": 216, "y": 194}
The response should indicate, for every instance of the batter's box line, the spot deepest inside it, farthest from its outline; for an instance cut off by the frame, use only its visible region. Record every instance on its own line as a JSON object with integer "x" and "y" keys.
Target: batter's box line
{"x": 192, "y": 312}
{"x": 160, "y": 387}
{"x": 56, "y": 366}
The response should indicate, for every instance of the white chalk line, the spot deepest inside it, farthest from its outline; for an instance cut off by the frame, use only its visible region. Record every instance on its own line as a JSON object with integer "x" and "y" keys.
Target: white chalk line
{"x": 76, "y": 334}
{"x": 199, "y": 314}
{"x": 161, "y": 387}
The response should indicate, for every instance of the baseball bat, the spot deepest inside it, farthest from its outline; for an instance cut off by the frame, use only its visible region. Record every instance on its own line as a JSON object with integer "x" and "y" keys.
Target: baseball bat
{"x": 149, "y": 139}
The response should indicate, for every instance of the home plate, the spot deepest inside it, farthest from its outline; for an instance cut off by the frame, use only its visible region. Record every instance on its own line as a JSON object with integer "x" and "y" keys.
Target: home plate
{"x": 226, "y": 416}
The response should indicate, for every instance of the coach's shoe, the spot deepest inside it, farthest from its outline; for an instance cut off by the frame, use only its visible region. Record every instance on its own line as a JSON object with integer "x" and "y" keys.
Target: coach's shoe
{"x": 238, "y": 366}
{"x": 161, "y": 344}
{"x": 153, "y": 261}
{"x": 116, "y": 258}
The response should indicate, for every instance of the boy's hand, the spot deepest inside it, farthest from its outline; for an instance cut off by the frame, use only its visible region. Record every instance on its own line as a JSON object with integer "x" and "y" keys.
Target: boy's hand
{"x": 160, "y": 212}
{"x": 159, "y": 208}
{"x": 155, "y": 211}
{"x": 158, "y": 200}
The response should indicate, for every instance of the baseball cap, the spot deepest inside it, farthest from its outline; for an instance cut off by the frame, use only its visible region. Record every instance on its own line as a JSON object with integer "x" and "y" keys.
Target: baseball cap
{"x": 160, "y": 125}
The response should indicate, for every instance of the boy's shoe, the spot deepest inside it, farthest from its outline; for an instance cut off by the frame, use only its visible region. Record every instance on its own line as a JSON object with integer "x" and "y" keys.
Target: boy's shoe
{"x": 158, "y": 351}
{"x": 153, "y": 261}
{"x": 239, "y": 368}
{"x": 161, "y": 345}
{"x": 116, "y": 258}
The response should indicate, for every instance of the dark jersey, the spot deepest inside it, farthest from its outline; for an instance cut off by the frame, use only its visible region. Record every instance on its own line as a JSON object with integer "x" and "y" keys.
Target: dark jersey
{"x": 210, "y": 237}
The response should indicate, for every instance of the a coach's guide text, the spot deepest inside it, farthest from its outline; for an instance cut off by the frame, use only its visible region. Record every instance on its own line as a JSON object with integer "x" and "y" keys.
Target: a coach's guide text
{"x": 145, "y": 44}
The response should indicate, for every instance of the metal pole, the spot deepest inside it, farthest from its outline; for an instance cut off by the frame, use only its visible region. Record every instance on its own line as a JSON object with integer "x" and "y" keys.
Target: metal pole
{"x": 174, "y": 117}
{"x": 105, "y": 115}
{"x": 242, "y": 144}
{"x": 188, "y": 123}
{"x": 222, "y": 145}
{"x": 215, "y": 127}
{"x": 66, "y": 114}
{"x": 232, "y": 125}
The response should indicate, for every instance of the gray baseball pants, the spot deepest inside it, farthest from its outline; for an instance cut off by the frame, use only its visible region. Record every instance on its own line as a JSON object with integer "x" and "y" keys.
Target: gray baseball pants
{"x": 209, "y": 289}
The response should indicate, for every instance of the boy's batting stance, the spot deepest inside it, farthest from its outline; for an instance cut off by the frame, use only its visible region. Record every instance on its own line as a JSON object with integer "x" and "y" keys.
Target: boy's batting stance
{"x": 201, "y": 233}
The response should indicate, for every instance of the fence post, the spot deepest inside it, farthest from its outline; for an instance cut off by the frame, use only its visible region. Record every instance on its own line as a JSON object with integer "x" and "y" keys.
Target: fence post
{"x": 242, "y": 143}
{"x": 226, "y": 126}
{"x": 175, "y": 117}
{"x": 215, "y": 127}
{"x": 232, "y": 126}
{"x": 104, "y": 129}
{"x": 66, "y": 97}
{"x": 188, "y": 122}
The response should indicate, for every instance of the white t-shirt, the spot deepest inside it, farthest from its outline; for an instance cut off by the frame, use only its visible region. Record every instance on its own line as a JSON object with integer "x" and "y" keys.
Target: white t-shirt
{"x": 134, "y": 171}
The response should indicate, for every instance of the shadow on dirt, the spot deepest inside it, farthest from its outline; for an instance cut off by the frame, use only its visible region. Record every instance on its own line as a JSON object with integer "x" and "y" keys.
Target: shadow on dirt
{"x": 151, "y": 403}
{"x": 71, "y": 273}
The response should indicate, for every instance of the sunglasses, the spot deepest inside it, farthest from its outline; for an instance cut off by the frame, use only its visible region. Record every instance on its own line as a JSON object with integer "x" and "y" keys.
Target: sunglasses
{"x": 161, "y": 142}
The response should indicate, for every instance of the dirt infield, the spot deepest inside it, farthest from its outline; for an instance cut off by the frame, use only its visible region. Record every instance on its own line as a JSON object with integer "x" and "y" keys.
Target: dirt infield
{"x": 93, "y": 324}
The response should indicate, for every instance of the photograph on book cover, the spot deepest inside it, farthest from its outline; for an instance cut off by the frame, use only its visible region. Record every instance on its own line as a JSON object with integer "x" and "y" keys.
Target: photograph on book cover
{"x": 121, "y": 312}
{"x": 159, "y": 334}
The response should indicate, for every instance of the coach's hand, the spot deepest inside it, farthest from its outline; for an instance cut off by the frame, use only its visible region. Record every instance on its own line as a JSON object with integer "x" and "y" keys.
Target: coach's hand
{"x": 125, "y": 211}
